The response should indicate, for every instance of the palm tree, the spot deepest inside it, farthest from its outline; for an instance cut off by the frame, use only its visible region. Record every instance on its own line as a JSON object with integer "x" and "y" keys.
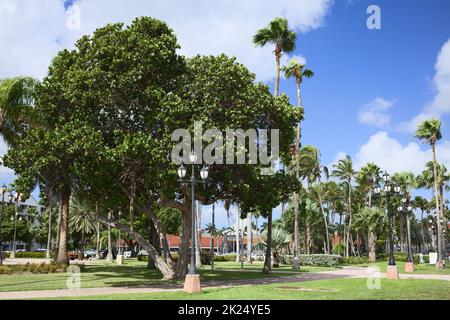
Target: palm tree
{"x": 373, "y": 220}
{"x": 367, "y": 176}
{"x": 312, "y": 170}
{"x": 421, "y": 204}
{"x": 344, "y": 171}
{"x": 280, "y": 238}
{"x": 50, "y": 210}
{"x": 249, "y": 237}
{"x": 407, "y": 182}
{"x": 429, "y": 132}
{"x": 296, "y": 69}
{"x": 83, "y": 219}
{"x": 16, "y": 100}
{"x": 276, "y": 33}
{"x": 213, "y": 232}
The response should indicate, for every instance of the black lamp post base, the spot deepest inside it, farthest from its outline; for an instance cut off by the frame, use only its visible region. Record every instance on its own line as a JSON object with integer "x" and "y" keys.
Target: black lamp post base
{"x": 192, "y": 283}
{"x": 392, "y": 272}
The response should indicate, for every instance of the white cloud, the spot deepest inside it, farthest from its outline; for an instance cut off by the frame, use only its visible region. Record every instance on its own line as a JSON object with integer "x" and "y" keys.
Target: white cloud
{"x": 375, "y": 112}
{"x": 440, "y": 105}
{"x": 33, "y": 31}
{"x": 389, "y": 154}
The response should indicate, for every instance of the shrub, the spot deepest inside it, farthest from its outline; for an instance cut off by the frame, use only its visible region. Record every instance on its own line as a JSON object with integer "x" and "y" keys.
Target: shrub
{"x": 205, "y": 257}
{"x": 379, "y": 247}
{"x": 34, "y": 268}
{"x": 29, "y": 255}
{"x": 338, "y": 249}
{"x": 399, "y": 256}
{"x": 355, "y": 260}
{"x": 144, "y": 258}
{"x": 314, "y": 260}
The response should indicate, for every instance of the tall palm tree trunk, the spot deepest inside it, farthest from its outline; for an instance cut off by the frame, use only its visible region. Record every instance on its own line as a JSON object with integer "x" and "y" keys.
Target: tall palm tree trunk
{"x": 349, "y": 216}
{"x": 49, "y": 234}
{"x": 422, "y": 231}
{"x": 97, "y": 240}
{"x": 82, "y": 243}
{"x": 212, "y": 236}
{"x": 198, "y": 247}
{"x": 296, "y": 261}
{"x": 62, "y": 248}
{"x": 238, "y": 226}
{"x": 277, "y": 79}
{"x": 109, "y": 256}
{"x": 324, "y": 219}
{"x": 249, "y": 238}
{"x": 439, "y": 263}
{"x": 372, "y": 247}
{"x": 408, "y": 237}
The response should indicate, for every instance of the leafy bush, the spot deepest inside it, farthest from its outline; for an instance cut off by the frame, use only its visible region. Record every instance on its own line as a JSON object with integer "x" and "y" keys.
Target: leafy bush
{"x": 205, "y": 257}
{"x": 228, "y": 257}
{"x": 379, "y": 247}
{"x": 355, "y": 260}
{"x": 315, "y": 260}
{"x": 34, "y": 268}
{"x": 398, "y": 256}
{"x": 29, "y": 255}
{"x": 338, "y": 249}
{"x": 144, "y": 258}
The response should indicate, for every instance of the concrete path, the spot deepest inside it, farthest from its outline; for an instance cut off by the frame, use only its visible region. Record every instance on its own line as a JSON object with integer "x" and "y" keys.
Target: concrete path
{"x": 346, "y": 272}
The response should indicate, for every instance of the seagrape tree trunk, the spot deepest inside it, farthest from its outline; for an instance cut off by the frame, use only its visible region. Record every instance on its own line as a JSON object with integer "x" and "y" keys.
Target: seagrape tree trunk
{"x": 62, "y": 248}
{"x": 167, "y": 271}
{"x": 267, "y": 262}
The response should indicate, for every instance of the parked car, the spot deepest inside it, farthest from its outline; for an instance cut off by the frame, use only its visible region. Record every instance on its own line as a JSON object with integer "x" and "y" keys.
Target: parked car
{"x": 90, "y": 253}
{"x": 143, "y": 253}
{"x": 104, "y": 254}
{"x": 72, "y": 255}
{"x": 40, "y": 250}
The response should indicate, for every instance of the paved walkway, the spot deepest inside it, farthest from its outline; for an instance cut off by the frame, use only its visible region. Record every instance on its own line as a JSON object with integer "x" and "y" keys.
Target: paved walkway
{"x": 346, "y": 272}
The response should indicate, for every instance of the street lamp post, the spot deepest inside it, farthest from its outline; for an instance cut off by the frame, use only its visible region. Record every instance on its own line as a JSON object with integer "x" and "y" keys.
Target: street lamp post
{"x": 406, "y": 209}
{"x": 192, "y": 281}
{"x": 15, "y": 218}
{"x": 2, "y": 191}
{"x": 388, "y": 192}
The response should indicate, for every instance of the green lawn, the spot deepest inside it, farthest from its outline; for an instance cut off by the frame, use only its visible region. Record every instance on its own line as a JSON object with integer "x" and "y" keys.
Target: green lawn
{"x": 337, "y": 289}
{"x": 133, "y": 273}
{"x": 418, "y": 268}
{"x": 257, "y": 266}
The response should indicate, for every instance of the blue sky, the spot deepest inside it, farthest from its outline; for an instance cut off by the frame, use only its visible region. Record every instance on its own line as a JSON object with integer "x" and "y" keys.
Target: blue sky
{"x": 369, "y": 85}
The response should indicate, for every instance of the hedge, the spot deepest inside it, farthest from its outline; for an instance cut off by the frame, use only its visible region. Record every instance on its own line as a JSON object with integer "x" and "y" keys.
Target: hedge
{"x": 338, "y": 249}
{"x": 29, "y": 255}
{"x": 205, "y": 257}
{"x": 141, "y": 257}
{"x": 398, "y": 256}
{"x": 315, "y": 260}
{"x": 34, "y": 268}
